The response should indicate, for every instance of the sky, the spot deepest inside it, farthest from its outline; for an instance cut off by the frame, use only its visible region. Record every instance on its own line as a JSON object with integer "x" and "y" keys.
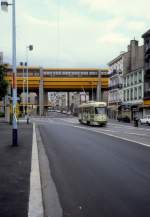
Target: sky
{"x": 73, "y": 33}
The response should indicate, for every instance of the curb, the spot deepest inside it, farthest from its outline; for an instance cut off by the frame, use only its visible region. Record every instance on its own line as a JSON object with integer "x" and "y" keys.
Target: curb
{"x": 52, "y": 206}
{"x": 35, "y": 198}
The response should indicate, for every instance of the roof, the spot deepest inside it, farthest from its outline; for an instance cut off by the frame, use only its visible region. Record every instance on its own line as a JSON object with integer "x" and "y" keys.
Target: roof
{"x": 146, "y": 34}
{"x": 116, "y": 59}
{"x": 93, "y": 103}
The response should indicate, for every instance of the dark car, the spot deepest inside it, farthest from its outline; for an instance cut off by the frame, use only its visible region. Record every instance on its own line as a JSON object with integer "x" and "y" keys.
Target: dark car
{"x": 125, "y": 119}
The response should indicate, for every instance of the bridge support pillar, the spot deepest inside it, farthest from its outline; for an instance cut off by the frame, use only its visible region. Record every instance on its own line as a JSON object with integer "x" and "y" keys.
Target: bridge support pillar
{"x": 45, "y": 102}
{"x": 68, "y": 101}
{"x": 92, "y": 95}
{"x": 41, "y": 94}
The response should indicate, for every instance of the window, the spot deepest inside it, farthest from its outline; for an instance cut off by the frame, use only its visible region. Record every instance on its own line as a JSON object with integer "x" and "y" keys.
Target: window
{"x": 140, "y": 76}
{"x": 131, "y": 94}
{"x": 128, "y": 83}
{"x": 135, "y": 78}
{"x": 132, "y": 79}
{"x": 140, "y": 92}
{"x": 135, "y": 93}
{"x": 127, "y": 95}
{"x": 124, "y": 82}
{"x": 100, "y": 110}
{"x": 124, "y": 95}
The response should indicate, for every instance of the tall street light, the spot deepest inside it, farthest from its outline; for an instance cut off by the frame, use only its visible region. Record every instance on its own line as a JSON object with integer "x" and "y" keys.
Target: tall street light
{"x": 23, "y": 65}
{"x": 4, "y": 6}
{"x": 28, "y": 48}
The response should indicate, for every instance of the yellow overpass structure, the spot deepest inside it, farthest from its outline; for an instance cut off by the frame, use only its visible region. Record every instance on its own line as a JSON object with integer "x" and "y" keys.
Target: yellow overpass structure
{"x": 44, "y": 80}
{"x": 62, "y": 79}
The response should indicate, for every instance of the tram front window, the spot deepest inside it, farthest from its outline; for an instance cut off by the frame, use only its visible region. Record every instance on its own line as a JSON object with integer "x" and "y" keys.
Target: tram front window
{"x": 100, "y": 110}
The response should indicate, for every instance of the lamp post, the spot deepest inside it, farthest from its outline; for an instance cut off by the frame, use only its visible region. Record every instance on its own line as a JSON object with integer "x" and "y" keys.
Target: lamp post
{"x": 4, "y": 6}
{"x": 23, "y": 69}
{"x": 28, "y": 48}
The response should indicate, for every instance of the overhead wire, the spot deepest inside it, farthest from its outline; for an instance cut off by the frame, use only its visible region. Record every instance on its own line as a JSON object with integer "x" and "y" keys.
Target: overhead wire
{"x": 58, "y": 52}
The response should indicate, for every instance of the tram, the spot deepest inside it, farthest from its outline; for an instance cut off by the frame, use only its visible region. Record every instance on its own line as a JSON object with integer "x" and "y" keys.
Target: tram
{"x": 93, "y": 113}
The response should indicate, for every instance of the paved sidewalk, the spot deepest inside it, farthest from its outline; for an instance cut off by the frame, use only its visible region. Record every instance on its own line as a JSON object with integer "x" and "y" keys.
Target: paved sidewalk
{"x": 15, "y": 167}
{"x": 113, "y": 121}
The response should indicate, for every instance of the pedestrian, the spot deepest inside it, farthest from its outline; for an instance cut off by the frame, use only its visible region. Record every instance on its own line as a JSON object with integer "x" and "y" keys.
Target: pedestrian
{"x": 136, "y": 121}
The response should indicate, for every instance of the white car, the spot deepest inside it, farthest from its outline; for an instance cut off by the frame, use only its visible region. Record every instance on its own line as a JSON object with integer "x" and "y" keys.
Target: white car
{"x": 145, "y": 120}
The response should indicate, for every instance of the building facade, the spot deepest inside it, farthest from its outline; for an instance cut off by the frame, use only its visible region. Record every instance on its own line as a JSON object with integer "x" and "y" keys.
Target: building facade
{"x": 126, "y": 83}
{"x": 146, "y": 37}
{"x": 133, "y": 81}
{"x": 1, "y": 57}
{"x": 115, "y": 94}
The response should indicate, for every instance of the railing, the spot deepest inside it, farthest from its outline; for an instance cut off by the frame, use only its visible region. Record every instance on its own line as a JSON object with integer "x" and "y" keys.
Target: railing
{"x": 117, "y": 86}
{"x": 79, "y": 74}
{"x": 115, "y": 72}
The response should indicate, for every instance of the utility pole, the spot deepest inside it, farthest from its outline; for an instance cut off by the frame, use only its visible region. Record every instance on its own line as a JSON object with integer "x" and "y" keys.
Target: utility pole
{"x": 15, "y": 128}
{"x": 4, "y": 6}
{"x": 23, "y": 88}
{"x": 30, "y": 48}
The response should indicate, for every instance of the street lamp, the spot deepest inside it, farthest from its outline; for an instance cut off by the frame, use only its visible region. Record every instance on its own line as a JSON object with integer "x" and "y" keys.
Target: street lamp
{"x": 4, "y": 6}
{"x": 23, "y": 69}
{"x": 28, "y": 48}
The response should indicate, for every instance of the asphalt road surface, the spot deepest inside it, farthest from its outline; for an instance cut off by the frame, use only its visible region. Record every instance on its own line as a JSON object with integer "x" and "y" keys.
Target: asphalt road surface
{"x": 98, "y": 175}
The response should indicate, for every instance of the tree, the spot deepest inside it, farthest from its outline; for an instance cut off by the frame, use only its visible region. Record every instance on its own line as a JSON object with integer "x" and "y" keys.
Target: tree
{"x": 3, "y": 82}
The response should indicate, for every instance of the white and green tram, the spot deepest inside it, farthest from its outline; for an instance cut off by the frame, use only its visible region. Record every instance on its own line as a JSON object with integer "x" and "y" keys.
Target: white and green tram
{"x": 93, "y": 113}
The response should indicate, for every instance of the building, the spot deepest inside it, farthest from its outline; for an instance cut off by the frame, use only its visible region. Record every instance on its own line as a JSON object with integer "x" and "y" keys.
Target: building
{"x": 126, "y": 83}
{"x": 115, "y": 86}
{"x": 1, "y": 57}
{"x": 146, "y": 37}
{"x": 133, "y": 81}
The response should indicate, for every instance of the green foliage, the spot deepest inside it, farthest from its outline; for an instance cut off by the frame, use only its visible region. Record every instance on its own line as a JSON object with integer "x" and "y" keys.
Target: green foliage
{"x": 3, "y": 82}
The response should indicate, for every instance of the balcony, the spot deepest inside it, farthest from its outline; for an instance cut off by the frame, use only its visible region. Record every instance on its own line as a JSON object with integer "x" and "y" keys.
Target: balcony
{"x": 114, "y": 72}
{"x": 117, "y": 86}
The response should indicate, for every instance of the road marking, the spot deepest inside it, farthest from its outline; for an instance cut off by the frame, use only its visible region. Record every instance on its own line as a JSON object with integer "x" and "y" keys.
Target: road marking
{"x": 104, "y": 131}
{"x": 138, "y": 134}
{"x": 127, "y": 126}
{"x": 115, "y": 136}
{"x": 35, "y": 198}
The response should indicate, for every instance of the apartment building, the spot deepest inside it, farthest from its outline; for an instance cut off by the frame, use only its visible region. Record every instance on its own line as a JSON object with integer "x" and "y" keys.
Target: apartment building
{"x": 126, "y": 83}
{"x": 115, "y": 94}
{"x": 1, "y": 57}
{"x": 133, "y": 81}
{"x": 146, "y": 37}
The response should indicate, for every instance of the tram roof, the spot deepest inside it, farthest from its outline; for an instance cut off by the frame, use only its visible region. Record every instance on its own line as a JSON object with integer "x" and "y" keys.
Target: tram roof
{"x": 93, "y": 104}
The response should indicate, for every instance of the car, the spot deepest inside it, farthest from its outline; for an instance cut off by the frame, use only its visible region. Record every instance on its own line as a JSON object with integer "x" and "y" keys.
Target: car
{"x": 145, "y": 120}
{"x": 125, "y": 119}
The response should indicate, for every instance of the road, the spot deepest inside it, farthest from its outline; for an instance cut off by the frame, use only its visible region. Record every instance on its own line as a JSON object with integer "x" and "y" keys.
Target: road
{"x": 98, "y": 172}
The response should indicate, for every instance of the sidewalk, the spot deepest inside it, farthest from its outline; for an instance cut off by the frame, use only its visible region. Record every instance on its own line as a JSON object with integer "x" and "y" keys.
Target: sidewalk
{"x": 113, "y": 121}
{"x": 15, "y": 167}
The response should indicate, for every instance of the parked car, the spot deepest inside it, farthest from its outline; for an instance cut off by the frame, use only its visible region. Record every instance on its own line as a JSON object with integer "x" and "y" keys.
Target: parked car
{"x": 145, "y": 120}
{"x": 123, "y": 118}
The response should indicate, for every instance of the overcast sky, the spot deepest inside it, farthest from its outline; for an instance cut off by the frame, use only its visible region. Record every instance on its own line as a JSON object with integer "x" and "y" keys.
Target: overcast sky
{"x": 74, "y": 33}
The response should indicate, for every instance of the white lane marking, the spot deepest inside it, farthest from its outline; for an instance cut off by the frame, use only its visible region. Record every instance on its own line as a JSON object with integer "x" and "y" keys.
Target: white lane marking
{"x": 103, "y": 132}
{"x": 130, "y": 127}
{"x": 138, "y": 134}
{"x": 112, "y": 131}
{"x": 35, "y": 198}
{"x": 115, "y": 136}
